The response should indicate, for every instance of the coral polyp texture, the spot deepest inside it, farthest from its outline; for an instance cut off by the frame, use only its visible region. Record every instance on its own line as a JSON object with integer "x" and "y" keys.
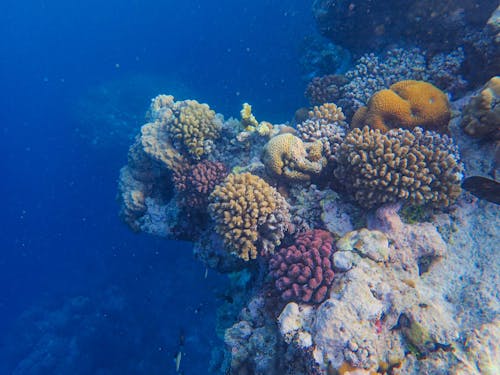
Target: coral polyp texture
{"x": 303, "y": 272}
{"x": 193, "y": 127}
{"x": 325, "y": 89}
{"x": 287, "y": 156}
{"x": 325, "y": 124}
{"x": 418, "y": 167}
{"x": 482, "y": 113}
{"x": 406, "y": 104}
{"x": 250, "y": 215}
{"x": 196, "y": 182}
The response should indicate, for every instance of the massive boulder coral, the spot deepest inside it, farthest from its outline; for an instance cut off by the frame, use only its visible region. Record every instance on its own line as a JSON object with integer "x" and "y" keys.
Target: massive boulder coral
{"x": 418, "y": 167}
{"x": 191, "y": 126}
{"x": 286, "y": 156}
{"x": 482, "y": 114}
{"x": 303, "y": 272}
{"x": 406, "y": 104}
{"x": 251, "y": 215}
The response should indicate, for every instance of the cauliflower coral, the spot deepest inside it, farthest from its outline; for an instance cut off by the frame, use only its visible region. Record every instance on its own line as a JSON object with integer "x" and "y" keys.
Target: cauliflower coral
{"x": 250, "y": 215}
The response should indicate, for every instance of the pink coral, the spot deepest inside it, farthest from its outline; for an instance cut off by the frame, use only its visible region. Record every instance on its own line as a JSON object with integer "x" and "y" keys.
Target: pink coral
{"x": 303, "y": 272}
{"x": 196, "y": 182}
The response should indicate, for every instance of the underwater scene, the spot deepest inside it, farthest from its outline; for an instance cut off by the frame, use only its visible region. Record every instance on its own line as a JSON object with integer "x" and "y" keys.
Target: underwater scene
{"x": 272, "y": 187}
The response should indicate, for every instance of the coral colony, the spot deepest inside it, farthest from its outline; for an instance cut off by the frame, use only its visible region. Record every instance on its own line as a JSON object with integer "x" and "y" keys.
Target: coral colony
{"x": 363, "y": 248}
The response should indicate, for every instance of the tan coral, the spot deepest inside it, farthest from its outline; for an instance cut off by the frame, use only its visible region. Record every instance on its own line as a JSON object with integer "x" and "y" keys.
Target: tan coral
{"x": 327, "y": 113}
{"x": 192, "y": 126}
{"x": 418, "y": 167}
{"x": 407, "y": 104}
{"x": 285, "y": 155}
{"x": 482, "y": 114}
{"x": 251, "y": 215}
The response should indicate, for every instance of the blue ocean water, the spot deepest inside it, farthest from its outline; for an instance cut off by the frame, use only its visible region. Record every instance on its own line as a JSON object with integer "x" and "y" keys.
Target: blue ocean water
{"x": 60, "y": 235}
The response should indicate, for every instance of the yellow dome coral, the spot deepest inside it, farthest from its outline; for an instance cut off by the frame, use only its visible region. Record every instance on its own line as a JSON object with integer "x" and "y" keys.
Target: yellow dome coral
{"x": 406, "y": 104}
{"x": 251, "y": 215}
{"x": 192, "y": 126}
{"x": 287, "y": 156}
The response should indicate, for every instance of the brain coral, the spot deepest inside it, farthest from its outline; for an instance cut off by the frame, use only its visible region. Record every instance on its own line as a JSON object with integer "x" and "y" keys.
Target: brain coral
{"x": 482, "y": 114}
{"x": 285, "y": 155}
{"x": 251, "y": 215}
{"x": 303, "y": 272}
{"x": 419, "y": 167}
{"x": 192, "y": 126}
{"x": 406, "y": 104}
{"x": 196, "y": 182}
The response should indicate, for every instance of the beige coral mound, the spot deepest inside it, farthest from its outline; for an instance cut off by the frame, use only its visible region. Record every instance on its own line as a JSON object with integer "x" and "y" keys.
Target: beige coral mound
{"x": 192, "y": 126}
{"x": 285, "y": 155}
{"x": 417, "y": 167}
{"x": 250, "y": 215}
{"x": 482, "y": 114}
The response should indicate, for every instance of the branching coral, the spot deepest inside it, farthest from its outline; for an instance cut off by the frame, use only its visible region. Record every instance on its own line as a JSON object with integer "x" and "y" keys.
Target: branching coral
{"x": 406, "y": 104}
{"x": 325, "y": 124}
{"x": 482, "y": 114}
{"x": 327, "y": 113}
{"x": 192, "y": 126}
{"x": 251, "y": 216}
{"x": 303, "y": 272}
{"x": 196, "y": 182}
{"x": 285, "y": 155}
{"x": 419, "y": 167}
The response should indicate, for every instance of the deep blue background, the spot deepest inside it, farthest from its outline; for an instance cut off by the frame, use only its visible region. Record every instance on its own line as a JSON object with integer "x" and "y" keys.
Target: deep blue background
{"x": 60, "y": 233}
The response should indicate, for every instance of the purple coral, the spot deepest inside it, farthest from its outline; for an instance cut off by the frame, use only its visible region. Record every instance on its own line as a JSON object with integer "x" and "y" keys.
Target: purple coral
{"x": 303, "y": 272}
{"x": 197, "y": 182}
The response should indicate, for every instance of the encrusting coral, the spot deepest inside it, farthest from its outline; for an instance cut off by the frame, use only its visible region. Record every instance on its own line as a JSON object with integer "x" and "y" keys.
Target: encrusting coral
{"x": 482, "y": 114}
{"x": 303, "y": 272}
{"x": 192, "y": 126}
{"x": 286, "y": 156}
{"x": 418, "y": 167}
{"x": 407, "y": 104}
{"x": 250, "y": 215}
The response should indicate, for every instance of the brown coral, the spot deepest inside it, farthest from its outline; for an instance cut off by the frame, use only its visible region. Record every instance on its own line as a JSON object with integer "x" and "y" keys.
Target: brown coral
{"x": 482, "y": 114}
{"x": 192, "y": 126}
{"x": 251, "y": 215}
{"x": 325, "y": 89}
{"x": 407, "y": 104}
{"x": 285, "y": 155}
{"x": 196, "y": 182}
{"x": 419, "y": 167}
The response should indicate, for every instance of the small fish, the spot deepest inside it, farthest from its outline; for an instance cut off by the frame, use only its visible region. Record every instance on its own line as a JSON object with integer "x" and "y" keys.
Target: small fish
{"x": 178, "y": 361}
{"x": 483, "y": 188}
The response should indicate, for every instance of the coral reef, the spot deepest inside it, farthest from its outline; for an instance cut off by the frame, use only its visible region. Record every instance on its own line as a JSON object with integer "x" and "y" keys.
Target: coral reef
{"x": 482, "y": 113}
{"x": 251, "y": 216}
{"x": 386, "y": 297}
{"x": 366, "y": 24}
{"x": 406, "y": 104}
{"x": 325, "y": 89}
{"x": 286, "y": 156}
{"x": 303, "y": 272}
{"x": 196, "y": 182}
{"x": 418, "y": 167}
